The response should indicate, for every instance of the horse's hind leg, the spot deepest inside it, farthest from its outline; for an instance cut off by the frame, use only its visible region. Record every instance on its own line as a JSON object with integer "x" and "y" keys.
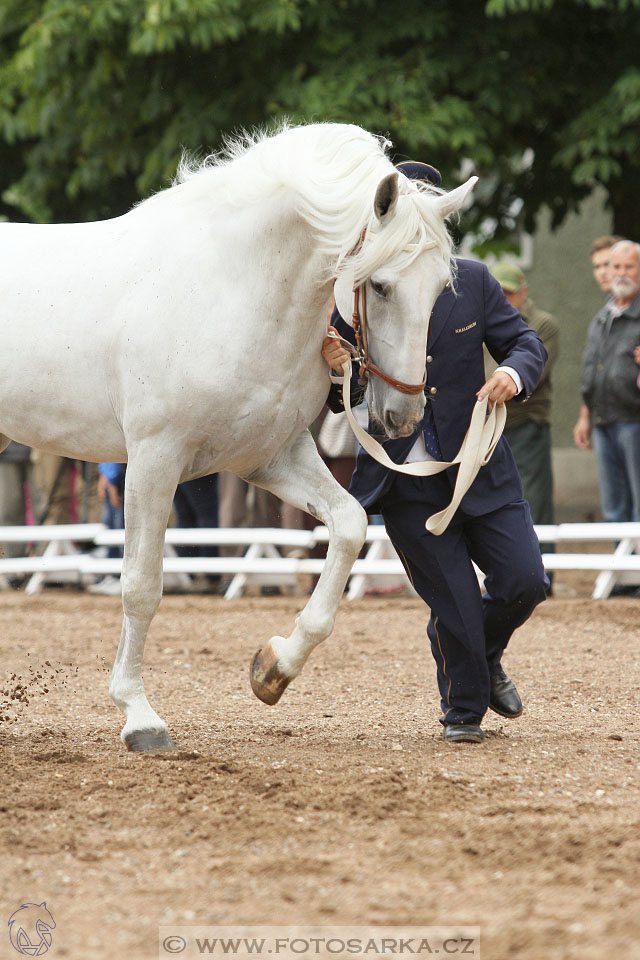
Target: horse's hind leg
{"x": 300, "y": 477}
{"x": 150, "y": 485}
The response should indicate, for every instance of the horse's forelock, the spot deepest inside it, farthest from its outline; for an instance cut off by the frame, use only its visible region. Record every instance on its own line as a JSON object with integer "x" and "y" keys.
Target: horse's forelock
{"x": 398, "y": 243}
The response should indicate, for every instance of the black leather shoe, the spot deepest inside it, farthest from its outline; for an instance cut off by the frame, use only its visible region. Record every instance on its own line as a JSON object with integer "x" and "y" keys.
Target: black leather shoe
{"x": 504, "y": 698}
{"x": 462, "y": 733}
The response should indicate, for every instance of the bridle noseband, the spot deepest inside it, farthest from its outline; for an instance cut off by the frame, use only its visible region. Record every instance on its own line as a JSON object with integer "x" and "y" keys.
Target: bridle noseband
{"x": 359, "y": 323}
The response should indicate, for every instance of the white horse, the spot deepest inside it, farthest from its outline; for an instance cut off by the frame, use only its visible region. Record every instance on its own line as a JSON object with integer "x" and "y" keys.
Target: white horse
{"x": 185, "y": 338}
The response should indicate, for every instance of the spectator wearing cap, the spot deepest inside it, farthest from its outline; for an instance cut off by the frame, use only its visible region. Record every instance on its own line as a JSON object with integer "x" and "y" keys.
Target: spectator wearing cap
{"x": 468, "y": 631}
{"x": 528, "y": 428}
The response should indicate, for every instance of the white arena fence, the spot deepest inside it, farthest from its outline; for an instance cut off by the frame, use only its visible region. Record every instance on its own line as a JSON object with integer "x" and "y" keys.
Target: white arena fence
{"x": 280, "y": 557}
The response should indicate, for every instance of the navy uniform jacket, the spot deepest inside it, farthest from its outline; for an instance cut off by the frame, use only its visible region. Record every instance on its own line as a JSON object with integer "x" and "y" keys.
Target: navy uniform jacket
{"x": 461, "y": 322}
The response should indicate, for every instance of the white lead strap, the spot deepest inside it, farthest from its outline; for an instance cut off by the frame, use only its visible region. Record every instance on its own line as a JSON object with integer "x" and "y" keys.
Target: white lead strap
{"x": 476, "y": 450}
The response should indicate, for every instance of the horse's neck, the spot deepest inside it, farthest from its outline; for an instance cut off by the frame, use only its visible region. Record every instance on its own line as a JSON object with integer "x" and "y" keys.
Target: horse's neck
{"x": 279, "y": 255}
{"x": 256, "y": 264}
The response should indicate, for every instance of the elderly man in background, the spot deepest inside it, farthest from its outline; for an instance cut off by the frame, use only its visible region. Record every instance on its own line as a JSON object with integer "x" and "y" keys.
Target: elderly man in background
{"x": 600, "y": 255}
{"x": 528, "y": 428}
{"x": 609, "y": 385}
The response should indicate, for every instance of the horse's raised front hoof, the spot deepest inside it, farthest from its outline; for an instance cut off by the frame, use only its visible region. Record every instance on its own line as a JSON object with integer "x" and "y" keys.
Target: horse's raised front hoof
{"x": 149, "y": 741}
{"x": 267, "y": 682}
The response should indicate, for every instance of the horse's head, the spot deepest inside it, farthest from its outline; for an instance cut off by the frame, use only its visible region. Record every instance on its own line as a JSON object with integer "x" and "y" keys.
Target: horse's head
{"x": 399, "y": 269}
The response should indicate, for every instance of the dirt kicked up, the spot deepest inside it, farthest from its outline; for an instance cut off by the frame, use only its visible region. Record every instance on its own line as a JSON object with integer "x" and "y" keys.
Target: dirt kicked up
{"x": 339, "y": 806}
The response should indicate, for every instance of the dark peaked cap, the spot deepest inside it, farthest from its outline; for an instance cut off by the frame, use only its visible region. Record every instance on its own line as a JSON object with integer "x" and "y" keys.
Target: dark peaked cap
{"x": 415, "y": 170}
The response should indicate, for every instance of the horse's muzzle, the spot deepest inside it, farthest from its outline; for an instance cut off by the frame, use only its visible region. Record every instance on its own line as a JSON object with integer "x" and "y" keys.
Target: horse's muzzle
{"x": 396, "y": 425}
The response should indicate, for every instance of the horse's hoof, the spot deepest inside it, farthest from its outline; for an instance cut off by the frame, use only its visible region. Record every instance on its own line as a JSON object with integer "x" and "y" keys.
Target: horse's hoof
{"x": 149, "y": 741}
{"x": 267, "y": 682}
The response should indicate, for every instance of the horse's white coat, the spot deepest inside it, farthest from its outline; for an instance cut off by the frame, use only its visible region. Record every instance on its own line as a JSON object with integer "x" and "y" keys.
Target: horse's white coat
{"x": 185, "y": 337}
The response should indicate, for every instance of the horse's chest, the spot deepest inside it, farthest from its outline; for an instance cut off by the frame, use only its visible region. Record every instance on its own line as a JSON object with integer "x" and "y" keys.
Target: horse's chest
{"x": 243, "y": 431}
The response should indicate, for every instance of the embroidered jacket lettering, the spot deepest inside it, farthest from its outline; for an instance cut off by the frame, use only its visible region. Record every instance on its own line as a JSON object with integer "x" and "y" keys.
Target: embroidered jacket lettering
{"x": 468, "y": 327}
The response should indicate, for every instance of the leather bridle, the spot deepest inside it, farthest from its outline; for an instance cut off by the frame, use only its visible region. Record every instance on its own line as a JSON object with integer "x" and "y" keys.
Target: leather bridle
{"x": 359, "y": 323}
{"x": 367, "y": 366}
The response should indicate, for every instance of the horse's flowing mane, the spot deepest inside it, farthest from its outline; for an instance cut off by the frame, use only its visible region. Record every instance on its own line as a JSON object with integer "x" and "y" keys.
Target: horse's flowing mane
{"x": 333, "y": 171}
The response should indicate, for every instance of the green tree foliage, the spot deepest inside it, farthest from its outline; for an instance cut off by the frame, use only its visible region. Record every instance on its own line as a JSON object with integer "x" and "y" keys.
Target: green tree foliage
{"x": 98, "y": 98}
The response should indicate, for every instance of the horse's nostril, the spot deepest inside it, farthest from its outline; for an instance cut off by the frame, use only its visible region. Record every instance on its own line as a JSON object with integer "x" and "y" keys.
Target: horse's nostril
{"x": 394, "y": 420}
{"x": 398, "y": 425}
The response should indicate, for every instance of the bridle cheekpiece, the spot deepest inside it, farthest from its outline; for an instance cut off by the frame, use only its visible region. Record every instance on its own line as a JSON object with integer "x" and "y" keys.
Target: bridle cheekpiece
{"x": 359, "y": 324}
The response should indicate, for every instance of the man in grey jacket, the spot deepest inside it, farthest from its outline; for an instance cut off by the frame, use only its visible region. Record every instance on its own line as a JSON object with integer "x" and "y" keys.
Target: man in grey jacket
{"x": 609, "y": 384}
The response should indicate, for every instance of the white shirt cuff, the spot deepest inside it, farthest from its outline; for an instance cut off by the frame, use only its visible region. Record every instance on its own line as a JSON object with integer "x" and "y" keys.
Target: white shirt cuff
{"x": 515, "y": 376}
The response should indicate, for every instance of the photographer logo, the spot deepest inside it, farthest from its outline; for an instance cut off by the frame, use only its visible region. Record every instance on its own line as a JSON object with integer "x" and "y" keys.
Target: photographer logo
{"x": 30, "y": 929}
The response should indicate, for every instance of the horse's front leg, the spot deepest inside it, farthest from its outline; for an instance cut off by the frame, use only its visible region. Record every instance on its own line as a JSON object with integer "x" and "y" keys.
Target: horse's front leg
{"x": 300, "y": 477}
{"x": 150, "y": 485}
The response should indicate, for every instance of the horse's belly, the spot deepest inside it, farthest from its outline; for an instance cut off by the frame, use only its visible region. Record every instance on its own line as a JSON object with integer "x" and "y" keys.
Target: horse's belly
{"x": 66, "y": 428}
{"x": 58, "y": 406}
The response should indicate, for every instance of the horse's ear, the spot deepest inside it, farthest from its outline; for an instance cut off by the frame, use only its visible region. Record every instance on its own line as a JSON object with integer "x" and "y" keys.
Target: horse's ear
{"x": 448, "y": 202}
{"x": 386, "y": 197}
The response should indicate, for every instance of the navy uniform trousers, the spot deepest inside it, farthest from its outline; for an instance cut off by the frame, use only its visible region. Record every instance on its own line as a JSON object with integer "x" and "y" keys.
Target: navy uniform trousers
{"x": 468, "y": 630}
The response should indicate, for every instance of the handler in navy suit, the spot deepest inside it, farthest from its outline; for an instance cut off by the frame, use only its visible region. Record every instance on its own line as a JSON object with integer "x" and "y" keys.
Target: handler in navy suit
{"x": 468, "y": 631}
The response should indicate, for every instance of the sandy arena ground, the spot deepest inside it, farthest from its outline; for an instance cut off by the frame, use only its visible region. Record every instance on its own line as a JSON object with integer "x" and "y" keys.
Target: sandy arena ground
{"x": 341, "y": 805}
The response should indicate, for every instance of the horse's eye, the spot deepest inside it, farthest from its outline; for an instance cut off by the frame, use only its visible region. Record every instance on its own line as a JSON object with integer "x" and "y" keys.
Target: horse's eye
{"x": 379, "y": 288}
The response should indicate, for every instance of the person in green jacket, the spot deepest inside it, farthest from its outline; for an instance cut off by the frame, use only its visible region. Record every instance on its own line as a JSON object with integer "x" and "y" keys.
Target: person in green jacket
{"x": 528, "y": 428}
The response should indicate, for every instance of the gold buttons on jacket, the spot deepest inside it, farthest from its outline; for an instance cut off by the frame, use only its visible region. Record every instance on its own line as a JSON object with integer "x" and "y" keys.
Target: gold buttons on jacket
{"x": 429, "y": 359}
{"x": 433, "y": 390}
